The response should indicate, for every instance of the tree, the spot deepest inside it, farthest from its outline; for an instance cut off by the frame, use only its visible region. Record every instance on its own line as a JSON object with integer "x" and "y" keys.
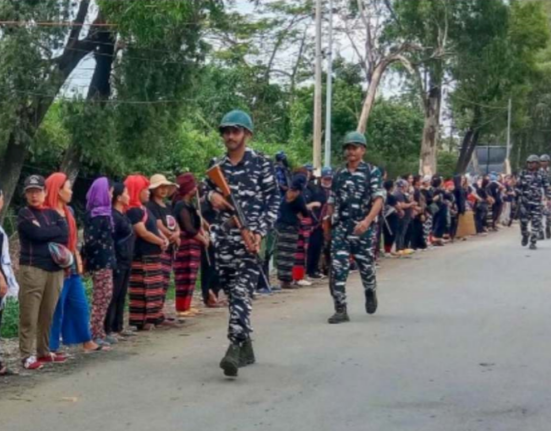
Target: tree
{"x": 426, "y": 23}
{"x": 496, "y": 51}
{"x": 364, "y": 22}
{"x": 36, "y": 62}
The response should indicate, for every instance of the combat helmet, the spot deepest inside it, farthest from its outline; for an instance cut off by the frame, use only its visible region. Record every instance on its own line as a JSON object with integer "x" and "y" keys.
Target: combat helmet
{"x": 237, "y": 118}
{"x": 355, "y": 138}
{"x": 533, "y": 159}
{"x": 545, "y": 158}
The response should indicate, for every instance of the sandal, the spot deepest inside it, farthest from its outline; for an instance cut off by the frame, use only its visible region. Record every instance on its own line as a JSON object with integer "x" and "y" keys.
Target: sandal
{"x": 97, "y": 349}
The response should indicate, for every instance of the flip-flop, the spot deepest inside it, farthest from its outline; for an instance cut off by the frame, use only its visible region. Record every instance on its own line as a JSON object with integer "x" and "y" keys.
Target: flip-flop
{"x": 97, "y": 349}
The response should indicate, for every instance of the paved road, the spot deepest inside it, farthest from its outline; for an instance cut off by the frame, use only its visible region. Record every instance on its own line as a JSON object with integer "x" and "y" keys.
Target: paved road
{"x": 461, "y": 342}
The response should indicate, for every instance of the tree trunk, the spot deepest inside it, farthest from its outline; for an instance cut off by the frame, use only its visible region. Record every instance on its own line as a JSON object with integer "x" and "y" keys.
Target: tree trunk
{"x": 100, "y": 89}
{"x": 12, "y": 163}
{"x": 429, "y": 143}
{"x": 370, "y": 96}
{"x": 470, "y": 141}
{"x": 31, "y": 119}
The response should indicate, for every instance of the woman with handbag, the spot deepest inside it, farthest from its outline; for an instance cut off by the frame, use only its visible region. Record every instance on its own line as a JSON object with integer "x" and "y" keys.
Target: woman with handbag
{"x": 146, "y": 277}
{"x": 99, "y": 254}
{"x": 40, "y": 276}
{"x": 8, "y": 283}
{"x": 123, "y": 238}
{"x": 71, "y": 321}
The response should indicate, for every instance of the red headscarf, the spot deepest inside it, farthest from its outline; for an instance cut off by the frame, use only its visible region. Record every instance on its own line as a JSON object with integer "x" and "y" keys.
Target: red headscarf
{"x": 54, "y": 183}
{"x": 136, "y": 184}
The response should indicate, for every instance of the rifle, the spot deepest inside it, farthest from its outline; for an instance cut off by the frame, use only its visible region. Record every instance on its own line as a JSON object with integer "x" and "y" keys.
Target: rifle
{"x": 202, "y": 222}
{"x": 216, "y": 175}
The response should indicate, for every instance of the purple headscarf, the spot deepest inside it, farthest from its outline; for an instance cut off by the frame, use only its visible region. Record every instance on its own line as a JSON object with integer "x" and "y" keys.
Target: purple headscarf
{"x": 98, "y": 200}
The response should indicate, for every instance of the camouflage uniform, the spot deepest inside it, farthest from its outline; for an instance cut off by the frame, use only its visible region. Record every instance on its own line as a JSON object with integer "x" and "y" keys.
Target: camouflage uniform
{"x": 530, "y": 188}
{"x": 546, "y": 209}
{"x": 352, "y": 198}
{"x": 253, "y": 184}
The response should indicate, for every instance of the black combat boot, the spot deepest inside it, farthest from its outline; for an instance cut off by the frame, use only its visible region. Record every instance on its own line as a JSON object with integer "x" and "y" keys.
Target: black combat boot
{"x": 541, "y": 237}
{"x": 230, "y": 362}
{"x": 246, "y": 356}
{"x": 524, "y": 240}
{"x": 371, "y": 301}
{"x": 533, "y": 246}
{"x": 340, "y": 316}
{"x": 548, "y": 232}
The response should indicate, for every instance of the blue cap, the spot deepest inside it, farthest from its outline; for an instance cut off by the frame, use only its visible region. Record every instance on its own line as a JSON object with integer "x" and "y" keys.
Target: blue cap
{"x": 309, "y": 167}
{"x": 327, "y": 172}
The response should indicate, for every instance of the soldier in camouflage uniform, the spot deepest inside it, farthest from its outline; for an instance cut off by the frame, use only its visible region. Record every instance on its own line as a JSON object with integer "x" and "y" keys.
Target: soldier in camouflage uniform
{"x": 544, "y": 165}
{"x": 356, "y": 199}
{"x": 251, "y": 177}
{"x": 531, "y": 185}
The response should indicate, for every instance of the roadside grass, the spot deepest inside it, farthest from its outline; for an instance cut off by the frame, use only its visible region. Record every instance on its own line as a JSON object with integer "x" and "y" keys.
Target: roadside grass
{"x": 10, "y": 319}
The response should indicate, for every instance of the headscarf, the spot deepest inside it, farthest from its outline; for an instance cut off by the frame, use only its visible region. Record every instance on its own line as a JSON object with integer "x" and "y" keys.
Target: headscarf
{"x": 186, "y": 183}
{"x": 136, "y": 184}
{"x": 98, "y": 201}
{"x": 54, "y": 184}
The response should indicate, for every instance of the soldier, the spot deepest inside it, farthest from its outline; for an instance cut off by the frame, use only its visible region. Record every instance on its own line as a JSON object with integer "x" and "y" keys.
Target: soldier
{"x": 251, "y": 178}
{"x": 531, "y": 184}
{"x": 356, "y": 199}
{"x": 544, "y": 163}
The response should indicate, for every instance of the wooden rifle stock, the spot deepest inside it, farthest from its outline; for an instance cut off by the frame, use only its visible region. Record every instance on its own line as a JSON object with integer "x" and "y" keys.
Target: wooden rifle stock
{"x": 217, "y": 177}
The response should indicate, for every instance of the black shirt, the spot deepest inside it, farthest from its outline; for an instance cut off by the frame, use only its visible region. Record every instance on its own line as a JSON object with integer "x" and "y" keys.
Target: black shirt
{"x": 37, "y": 228}
{"x": 288, "y": 211}
{"x": 494, "y": 189}
{"x": 188, "y": 219}
{"x": 98, "y": 250}
{"x": 162, "y": 213}
{"x": 142, "y": 247}
{"x": 402, "y": 198}
{"x": 123, "y": 238}
{"x": 317, "y": 194}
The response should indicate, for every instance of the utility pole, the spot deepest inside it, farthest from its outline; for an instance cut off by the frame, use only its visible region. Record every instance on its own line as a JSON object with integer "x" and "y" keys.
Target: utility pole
{"x": 329, "y": 89}
{"x": 508, "y": 169}
{"x": 318, "y": 92}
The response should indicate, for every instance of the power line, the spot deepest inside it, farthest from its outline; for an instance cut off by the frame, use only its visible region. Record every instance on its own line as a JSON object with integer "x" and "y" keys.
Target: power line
{"x": 54, "y": 24}
{"x": 117, "y": 101}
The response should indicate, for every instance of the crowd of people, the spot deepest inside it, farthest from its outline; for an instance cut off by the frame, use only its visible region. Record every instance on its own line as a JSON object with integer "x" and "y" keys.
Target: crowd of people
{"x": 141, "y": 235}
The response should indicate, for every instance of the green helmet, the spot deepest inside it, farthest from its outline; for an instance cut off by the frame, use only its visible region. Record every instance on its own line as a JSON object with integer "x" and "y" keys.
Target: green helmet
{"x": 237, "y": 118}
{"x": 533, "y": 159}
{"x": 355, "y": 138}
{"x": 545, "y": 158}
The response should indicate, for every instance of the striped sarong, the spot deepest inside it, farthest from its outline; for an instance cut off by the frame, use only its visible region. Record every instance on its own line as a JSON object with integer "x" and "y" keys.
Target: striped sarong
{"x": 186, "y": 268}
{"x": 166, "y": 266}
{"x": 146, "y": 291}
{"x": 287, "y": 239}
{"x": 301, "y": 252}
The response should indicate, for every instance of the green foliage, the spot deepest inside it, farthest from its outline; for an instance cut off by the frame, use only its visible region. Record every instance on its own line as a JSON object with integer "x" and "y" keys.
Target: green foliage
{"x": 10, "y": 319}
{"x": 446, "y": 164}
{"x": 181, "y": 65}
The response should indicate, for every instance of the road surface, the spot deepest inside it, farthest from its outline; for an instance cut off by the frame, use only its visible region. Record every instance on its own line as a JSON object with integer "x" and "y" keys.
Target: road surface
{"x": 460, "y": 342}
